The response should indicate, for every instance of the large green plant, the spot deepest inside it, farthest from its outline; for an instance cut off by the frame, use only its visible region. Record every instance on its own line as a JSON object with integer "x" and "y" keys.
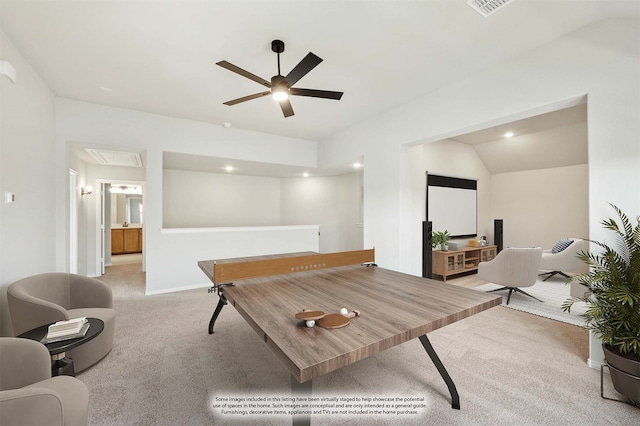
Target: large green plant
{"x": 613, "y": 288}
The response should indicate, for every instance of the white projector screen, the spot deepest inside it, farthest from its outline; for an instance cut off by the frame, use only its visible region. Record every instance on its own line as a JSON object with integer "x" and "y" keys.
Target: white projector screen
{"x": 452, "y": 208}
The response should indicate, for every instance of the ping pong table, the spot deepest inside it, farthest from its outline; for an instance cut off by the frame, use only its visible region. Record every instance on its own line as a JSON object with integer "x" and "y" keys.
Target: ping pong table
{"x": 394, "y": 307}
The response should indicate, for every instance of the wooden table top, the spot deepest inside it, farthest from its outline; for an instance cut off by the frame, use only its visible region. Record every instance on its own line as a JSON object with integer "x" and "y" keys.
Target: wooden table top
{"x": 395, "y": 308}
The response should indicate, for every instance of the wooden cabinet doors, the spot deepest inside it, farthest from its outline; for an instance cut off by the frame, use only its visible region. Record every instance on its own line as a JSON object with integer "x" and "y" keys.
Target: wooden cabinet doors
{"x": 126, "y": 240}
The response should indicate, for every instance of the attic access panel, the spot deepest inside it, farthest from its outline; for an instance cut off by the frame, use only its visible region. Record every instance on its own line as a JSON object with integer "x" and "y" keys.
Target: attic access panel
{"x": 115, "y": 158}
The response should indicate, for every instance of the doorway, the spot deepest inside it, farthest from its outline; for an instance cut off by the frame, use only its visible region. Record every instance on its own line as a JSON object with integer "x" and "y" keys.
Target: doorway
{"x": 121, "y": 225}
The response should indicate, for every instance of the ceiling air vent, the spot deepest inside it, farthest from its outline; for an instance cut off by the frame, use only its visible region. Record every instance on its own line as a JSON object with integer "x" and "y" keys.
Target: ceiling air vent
{"x": 487, "y": 7}
{"x": 115, "y": 158}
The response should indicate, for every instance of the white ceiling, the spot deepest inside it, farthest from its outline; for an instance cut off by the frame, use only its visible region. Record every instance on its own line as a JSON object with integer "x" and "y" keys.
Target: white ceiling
{"x": 159, "y": 56}
{"x": 554, "y": 139}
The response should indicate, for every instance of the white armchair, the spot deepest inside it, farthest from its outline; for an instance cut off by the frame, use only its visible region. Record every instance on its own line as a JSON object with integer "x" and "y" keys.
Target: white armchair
{"x": 28, "y": 393}
{"x": 513, "y": 268}
{"x": 56, "y": 296}
{"x": 564, "y": 261}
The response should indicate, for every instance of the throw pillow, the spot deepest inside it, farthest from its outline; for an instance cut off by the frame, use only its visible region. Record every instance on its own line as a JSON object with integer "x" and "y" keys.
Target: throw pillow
{"x": 561, "y": 245}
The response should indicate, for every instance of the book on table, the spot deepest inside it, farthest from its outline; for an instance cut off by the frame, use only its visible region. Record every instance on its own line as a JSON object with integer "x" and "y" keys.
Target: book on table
{"x": 65, "y": 330}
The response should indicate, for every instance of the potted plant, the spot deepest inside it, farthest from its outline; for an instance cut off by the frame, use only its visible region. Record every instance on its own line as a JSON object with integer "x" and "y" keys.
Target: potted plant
{"x": 613, "y": 302}
{"x": 441, "y": 239}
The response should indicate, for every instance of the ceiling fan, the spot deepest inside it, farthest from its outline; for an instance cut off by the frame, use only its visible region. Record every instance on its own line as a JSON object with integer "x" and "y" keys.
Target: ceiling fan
{"x": 280, "y": 87}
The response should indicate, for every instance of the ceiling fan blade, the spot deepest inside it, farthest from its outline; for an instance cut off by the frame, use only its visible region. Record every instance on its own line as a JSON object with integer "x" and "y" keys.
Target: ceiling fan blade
{"x": 326, "y": 94}
{"x": 308, "y": 63}
{"x": 287, "y": 110}
{"x": 247, "y": 74}
{"x": 247, "y": 98}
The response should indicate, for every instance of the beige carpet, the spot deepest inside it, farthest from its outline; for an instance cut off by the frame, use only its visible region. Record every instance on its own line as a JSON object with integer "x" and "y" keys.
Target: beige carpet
{"x": 510, "y": 368}
{"x": 126, "y": 259}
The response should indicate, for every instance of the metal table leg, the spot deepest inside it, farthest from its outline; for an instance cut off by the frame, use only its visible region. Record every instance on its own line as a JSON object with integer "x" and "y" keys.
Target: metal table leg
{"x": 223, "y": 301}
{"x": 455, "y": 398}
{"x": 301, "y": 390}
{"x": 212, "y": 322}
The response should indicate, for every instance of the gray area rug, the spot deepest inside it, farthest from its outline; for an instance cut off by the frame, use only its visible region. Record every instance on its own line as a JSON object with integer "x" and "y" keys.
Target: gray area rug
{"x": 552, "y": 293}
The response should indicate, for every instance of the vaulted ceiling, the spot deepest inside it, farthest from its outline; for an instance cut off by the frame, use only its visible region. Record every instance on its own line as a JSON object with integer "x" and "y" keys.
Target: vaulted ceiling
{"x": 545, "y": 141}
{"x": 159, "y": 57}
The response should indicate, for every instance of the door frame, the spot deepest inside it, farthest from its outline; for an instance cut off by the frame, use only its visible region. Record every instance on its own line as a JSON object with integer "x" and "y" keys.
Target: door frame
{"x": 73, "y": 221}
{"x": 101, "y": 228}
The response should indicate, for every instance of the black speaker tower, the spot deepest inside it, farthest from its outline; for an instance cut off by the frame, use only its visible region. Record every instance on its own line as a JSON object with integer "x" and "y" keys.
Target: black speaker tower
{"x": 498, "y": 234}
{"x": 427, "y": 240}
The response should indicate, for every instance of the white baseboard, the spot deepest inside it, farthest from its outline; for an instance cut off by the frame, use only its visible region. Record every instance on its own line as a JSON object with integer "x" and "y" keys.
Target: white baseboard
{"x": 596, "y": 364}
{"x": 175, "y": 289}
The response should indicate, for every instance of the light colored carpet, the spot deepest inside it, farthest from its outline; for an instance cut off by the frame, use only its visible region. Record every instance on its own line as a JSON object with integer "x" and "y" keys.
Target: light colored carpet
{"x": 125, "y": 259}
{"x": 510, "y": 368}
{"x": 553, "y": 294}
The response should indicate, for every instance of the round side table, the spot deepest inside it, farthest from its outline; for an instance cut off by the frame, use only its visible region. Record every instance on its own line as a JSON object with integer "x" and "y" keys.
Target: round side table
{"x": 61, "y": 365}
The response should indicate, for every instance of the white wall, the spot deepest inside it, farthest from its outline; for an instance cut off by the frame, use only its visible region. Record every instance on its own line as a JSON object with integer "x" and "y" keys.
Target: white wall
{"x": 197, "y": 199}
{"x": 454, "y": 159}
{"x": 84, "y": 203}
{"x": 27, "y": 125}
{"x": 349, "y": 204}
{"x": 601, "y": 61}
{"x": 334, "y": 202}
{"x": 116, "y": 128}
{"x": 540, "y": 207}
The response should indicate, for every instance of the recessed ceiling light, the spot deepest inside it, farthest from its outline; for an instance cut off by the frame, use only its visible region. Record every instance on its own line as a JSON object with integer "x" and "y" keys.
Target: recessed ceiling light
{"x": 357, "y": 165}
{"x": 226, "y": 125}
{"x": 229, "y": 168}
{"x": 508, "y": 135}
{"x": 106, "y": 89}
{"x": 305, "y": 174}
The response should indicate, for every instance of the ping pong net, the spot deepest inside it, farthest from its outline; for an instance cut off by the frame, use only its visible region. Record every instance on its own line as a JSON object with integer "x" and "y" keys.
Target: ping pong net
{"x": 226, "y": 271}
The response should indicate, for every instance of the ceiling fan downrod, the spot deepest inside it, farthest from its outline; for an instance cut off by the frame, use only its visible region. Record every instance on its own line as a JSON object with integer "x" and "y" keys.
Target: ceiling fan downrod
{"x": 278, "y": 47}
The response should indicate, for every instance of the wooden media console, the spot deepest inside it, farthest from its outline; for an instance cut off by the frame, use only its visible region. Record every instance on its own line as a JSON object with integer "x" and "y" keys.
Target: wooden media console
{"x": 453, "y": 262}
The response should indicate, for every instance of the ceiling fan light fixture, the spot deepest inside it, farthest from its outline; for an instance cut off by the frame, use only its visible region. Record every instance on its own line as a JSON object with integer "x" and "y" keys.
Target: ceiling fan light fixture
{"x": 280, "y": 93}
{"x": 280, "y": 87}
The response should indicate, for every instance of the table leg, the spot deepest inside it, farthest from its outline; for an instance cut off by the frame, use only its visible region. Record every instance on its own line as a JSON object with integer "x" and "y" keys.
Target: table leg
{"x": 221, "y": 303}
{"x": 455, "y": 398}
{"x": 301, "y": 390}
